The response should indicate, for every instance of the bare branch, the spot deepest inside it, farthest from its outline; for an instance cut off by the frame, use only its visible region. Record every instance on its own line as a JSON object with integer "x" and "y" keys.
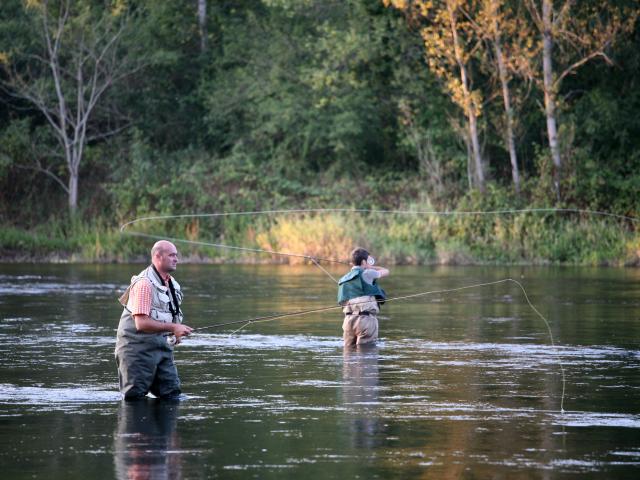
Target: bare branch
{"x": 107, "y": 134}
{"x": 564, "y": 13}
{"x": 53, "y": 64}
{"x": 535, "y": 14}
{"x": 39, "y": 168}
{"x": 38, "y": 101}
{"x": 574, "y": 66}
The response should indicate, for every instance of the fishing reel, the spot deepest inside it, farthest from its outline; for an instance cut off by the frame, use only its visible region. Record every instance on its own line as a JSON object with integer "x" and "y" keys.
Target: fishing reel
{"x": 371, "y": 261}
{"x": 171, "y": 340}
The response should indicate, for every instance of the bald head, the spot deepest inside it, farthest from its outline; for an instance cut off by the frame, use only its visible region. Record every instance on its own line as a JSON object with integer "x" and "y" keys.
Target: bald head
{"x": 161, "y": 246}
{"x": 164, "y": 256}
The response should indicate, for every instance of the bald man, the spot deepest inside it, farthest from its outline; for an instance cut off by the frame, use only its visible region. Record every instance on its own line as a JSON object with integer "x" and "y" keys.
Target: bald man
{"x": 150, "y": 326}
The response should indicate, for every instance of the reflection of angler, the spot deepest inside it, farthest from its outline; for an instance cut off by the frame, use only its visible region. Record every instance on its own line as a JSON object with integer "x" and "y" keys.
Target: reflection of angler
{"x": 145, "y": 437}
{"x": 360, "y": 395}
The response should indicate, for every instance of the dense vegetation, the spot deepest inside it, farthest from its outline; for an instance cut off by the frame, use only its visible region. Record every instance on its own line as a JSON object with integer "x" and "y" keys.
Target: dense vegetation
{"x": 279, "y": 104}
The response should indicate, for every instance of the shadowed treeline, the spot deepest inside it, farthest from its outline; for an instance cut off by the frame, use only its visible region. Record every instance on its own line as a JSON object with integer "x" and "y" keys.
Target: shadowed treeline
{"x": 115, "y": 110}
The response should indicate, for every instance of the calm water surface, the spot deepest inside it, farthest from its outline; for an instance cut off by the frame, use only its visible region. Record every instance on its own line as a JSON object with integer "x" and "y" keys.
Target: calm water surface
{"x": 462, "y": 385}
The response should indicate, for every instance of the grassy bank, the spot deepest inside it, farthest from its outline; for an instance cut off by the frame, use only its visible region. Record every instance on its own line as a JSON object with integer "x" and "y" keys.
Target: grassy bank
{"x": 523, "y": 238}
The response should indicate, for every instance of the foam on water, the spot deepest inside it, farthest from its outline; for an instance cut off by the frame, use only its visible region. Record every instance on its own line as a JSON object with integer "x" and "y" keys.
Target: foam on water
{"x": 635, "y": 453}
{"x": 596, "y": 419}
{"x": 30, "y": 285}
{"x": 77, "y": 394}
{"x": 311, "y": 342}
{"x": 514, "y": 348}
{"x": 264, "y": 342}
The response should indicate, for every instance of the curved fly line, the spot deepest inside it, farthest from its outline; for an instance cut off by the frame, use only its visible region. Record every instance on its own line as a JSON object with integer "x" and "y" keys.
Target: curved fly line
{"x": 125, "y": 229}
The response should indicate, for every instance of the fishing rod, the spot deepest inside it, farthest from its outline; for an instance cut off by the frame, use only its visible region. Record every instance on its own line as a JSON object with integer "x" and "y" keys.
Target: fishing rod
{"x": 277, "y": 316}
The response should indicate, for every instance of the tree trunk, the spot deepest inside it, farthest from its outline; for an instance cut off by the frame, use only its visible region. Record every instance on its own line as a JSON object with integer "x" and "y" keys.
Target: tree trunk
{"x": 506, "y": 96}
{"x": 549, "y": 94}
{"x": 469, "y": 107}
{"x": 470, "y": 174}
{"x": 475, "y": 147}
{"x": 73, "y": 192}
{"x": 202, "y": 23}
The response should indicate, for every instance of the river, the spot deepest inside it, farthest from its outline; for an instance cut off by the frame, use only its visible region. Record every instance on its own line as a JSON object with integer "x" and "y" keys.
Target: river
{"x": 461, "y": 385}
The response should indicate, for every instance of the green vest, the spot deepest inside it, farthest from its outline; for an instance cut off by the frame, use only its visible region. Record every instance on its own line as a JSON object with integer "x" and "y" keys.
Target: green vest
{"x": 160, "y": 310}
{"x": 352, "y": 285}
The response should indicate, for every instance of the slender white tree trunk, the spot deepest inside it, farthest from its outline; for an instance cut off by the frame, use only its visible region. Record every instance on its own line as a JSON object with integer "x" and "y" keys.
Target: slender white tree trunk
{"x": 506, "y": 96}
{"x": 469, "y": 106}
{"x": 549, "y": 93}
{"x": 73, "y": 192}
{"x": 202, "y": 23}
{"x": 475, "y": 147}
{"x": 470, "y": 174}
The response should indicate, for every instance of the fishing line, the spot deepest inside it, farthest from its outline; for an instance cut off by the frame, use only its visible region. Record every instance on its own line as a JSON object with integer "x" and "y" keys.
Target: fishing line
{"x": 397, "y": 212}
{"x": 233, "y": 247}
{"x": 246, "y": 322}
{"x": 239, "y": 329}
{"x": 316, "y": 260}
{"x": 323, "y": 269}
{"x": 313, "y": 259}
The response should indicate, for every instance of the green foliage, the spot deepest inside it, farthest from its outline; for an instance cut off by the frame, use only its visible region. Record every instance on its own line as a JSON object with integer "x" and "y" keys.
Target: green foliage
{"x": 314, "y": 104}
{"x": 14, "y": 240}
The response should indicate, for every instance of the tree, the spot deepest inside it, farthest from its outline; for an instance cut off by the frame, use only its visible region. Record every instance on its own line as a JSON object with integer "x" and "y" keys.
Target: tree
{"x": 498, "y": 24}
{"x": 582, "y": 32}
{"x": 202, "y": 24}
{"x": 78, "y": 57}
{"x": 450, "y": 45}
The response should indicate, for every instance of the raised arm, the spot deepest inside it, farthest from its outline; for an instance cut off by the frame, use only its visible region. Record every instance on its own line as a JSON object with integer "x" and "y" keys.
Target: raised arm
{"x": 384, "y": 272}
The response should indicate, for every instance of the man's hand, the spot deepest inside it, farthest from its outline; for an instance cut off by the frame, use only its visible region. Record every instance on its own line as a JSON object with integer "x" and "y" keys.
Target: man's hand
{"x": 180, "y": 330}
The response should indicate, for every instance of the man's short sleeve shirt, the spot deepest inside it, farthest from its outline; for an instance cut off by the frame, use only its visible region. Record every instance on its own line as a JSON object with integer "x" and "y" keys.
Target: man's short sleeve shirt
{"x": 140, "y": 297}
{"x": 369, "y": 275}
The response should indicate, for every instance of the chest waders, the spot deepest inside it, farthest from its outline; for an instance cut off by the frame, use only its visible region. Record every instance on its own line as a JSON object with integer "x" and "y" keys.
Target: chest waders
{"x": 145, "y": 359}
{"x": 361, "y": 301}
{"x": 352, "y": 285}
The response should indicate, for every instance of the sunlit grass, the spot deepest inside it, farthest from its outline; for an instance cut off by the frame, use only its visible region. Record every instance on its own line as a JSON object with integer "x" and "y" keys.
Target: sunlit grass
{"x": 534, "y": 238}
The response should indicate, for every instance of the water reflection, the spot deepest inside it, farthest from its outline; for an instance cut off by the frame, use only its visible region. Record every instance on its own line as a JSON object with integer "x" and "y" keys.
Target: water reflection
{"x": 146, "y": 443}
{"x": 360, "y": 395}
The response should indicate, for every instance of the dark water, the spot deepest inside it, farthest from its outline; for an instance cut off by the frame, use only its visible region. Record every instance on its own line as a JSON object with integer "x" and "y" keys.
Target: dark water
{"x": 462, "y": 385}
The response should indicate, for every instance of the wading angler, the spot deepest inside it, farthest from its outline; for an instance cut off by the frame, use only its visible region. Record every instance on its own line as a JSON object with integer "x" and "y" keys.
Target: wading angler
{"x": 360, "y": 297}
{"x": 150, "y": 327}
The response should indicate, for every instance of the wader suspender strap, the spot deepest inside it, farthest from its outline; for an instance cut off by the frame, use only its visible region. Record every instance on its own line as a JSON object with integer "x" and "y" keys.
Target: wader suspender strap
{"x": 174, "y": 307}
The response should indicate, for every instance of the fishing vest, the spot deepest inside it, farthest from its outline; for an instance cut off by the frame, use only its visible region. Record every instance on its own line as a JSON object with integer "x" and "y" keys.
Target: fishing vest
{"x": 352, "y": 285}
{"x": 161, "y": 304}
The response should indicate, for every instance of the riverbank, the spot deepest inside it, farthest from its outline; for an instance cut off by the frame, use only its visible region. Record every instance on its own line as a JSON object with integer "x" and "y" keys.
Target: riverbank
{"x": 407, "y": 238}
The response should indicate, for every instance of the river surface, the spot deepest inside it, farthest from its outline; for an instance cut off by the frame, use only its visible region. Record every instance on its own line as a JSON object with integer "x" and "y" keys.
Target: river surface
{"x": 461, "y": 385}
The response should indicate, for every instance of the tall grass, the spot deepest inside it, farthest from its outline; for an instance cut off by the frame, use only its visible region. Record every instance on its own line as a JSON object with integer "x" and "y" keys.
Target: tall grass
{"x": 397, "y": 239}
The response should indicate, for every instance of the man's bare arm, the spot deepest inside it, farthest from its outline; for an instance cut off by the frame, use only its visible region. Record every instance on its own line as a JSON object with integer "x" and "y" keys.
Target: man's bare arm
{"x": 146, "y": 324}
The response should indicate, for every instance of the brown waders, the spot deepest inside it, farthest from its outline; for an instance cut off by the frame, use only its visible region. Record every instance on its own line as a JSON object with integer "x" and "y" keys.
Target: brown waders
{"x": 360, "y": 324}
